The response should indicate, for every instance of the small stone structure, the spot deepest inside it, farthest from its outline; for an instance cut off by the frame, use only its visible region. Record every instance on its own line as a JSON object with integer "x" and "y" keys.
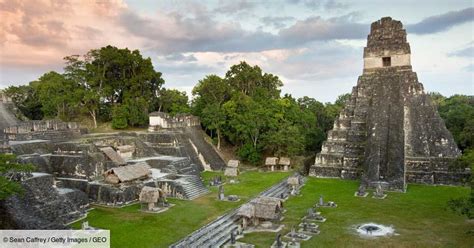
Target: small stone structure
{"x": 321, "y": 203}
{"x": 232, "y": 169}
{"x": 361, "y": 192}
{"x": 271, "y": 163}
{"x": 220, "y": 193}
{"x": 297, "y": 236}
{"x": 261, "y": 209}
{"x": 379, "y": 193}
{"x": 149, "y": 197}
{"x": 126, "y": 151}
{"x": 127, "y": 173}
{"x": 389, "y": 129}
{"x": 294, "y": 182}
{"x": 314, "y": 216}
{"x": 285, "y": 163}
{"x": 274, "y": 163}
{"x": 161, "y": 120}
{"x": 278, "y": 243}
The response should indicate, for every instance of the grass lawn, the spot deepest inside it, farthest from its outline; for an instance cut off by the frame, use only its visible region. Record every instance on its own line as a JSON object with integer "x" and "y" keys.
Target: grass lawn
{"x": 131, "y": 228}
{"x": 419, "y": 217}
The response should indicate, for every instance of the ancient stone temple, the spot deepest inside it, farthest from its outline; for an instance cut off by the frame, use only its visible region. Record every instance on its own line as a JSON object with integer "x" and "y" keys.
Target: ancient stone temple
{"x": 389, "y": 132}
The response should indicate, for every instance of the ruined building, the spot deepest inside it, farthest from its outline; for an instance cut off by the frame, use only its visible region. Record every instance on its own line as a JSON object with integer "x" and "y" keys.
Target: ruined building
{"x": 389, "y": 131}
{"x": 74, "y": 169}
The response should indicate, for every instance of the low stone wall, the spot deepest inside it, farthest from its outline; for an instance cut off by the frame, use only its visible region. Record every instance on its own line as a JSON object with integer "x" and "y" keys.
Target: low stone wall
{"x": 163, "y": 120}
{"x": 40, "y": 126}
{"x": 104, "y": 194}
{"x": 438, "y": 177}
{"x": 85, "y": 166}
{"x": 432, "y": 170}
{"x": 49, "y": 130}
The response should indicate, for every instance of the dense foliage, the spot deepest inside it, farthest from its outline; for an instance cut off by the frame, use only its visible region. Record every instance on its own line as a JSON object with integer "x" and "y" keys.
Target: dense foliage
{"x": 458, "y": 114}
{"x": 106, "y": 84}
{"x": 245, "y": 108}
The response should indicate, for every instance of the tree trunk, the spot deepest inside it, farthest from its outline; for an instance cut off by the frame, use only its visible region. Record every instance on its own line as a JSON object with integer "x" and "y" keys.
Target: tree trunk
{"x": 94, "y": 118}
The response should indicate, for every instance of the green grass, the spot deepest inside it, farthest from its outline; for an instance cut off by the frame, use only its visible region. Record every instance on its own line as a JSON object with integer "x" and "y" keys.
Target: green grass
{"x": 131, "y": 228}
{"x": 419, "y": 217}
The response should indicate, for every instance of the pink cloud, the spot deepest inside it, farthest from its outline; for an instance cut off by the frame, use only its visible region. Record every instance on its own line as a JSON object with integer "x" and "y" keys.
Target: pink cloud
{"x": 48, "y": 30}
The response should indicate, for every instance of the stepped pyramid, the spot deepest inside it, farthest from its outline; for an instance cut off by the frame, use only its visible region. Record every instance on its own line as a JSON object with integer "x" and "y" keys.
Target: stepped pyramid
{"x": 389, "y": 131}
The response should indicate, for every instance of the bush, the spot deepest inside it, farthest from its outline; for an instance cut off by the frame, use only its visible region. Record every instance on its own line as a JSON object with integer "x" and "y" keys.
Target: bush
{"x": 119, "y": 117}
{"x": 465, "y": 205}
{"x": 105, "y": 113}
{"x": 137, "y": 112}
{"x": 249, "y": 153}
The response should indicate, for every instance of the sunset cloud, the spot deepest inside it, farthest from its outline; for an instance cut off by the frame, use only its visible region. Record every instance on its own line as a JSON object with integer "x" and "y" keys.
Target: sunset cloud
{"x": 189, "y": 39}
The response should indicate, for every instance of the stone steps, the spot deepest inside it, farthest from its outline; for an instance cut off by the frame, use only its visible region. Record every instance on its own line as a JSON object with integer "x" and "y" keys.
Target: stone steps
{"x": 193, "y": 187}
{"x": 207, "y": 150}
{"x": 217, "y": 232}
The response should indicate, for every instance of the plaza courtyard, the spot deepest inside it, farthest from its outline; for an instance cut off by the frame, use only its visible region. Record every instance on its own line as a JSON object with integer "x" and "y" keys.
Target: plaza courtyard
{"x": 420, "y": 216}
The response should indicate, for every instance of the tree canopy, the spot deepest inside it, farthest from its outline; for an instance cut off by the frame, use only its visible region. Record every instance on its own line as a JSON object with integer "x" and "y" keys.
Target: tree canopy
{"x": 245, "y": 108}
{"x": 105, "y": 84}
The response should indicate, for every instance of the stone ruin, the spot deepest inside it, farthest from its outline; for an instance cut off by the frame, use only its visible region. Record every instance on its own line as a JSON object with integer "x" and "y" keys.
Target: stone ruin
{"x": 389, "y": 131}
{"x": 49, "y": 130}
{"x": 263, "y": 212}
{"x": 161, "y": 120}
{"x": 232, "y": 169}
{"x": 75, "y": 169}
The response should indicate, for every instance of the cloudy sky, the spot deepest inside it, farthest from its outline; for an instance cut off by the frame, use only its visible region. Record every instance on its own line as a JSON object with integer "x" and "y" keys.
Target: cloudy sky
{"x": 314, "y": 46}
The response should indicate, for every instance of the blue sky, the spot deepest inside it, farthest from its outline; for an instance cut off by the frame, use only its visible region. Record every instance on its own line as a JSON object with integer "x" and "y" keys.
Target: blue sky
{"x": 315, "y": 47}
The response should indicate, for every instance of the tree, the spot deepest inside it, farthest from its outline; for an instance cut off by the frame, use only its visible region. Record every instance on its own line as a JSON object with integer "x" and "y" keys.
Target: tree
{"x": 465, "y": 205}
{"x": 287, "y": 140}
{"x": 248, "y": 80}
{"x": 75, "y": 70}
{"x": 248, "y": 119}
{"x": 119, "y": 73}
{"x": 209, "y": 96}
{"x": 10, "y": 171}
{"x": 57, "y": 95}
{"x": 120, "y": 117}
{"x": 26, "y": 100}
{"x": 173, "y": 101}
{"x": 457, "y": 112}
{"x": 137, "y": 111}
{"x": 109, "y": 77}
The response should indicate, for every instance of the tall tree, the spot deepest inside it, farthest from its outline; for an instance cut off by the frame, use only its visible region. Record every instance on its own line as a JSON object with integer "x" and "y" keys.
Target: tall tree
{"x": 209, "y": 96}
{"x": 75, "y": 70}
{"x": 173, "y": 101}
{"x": 57, "y": 95}
{"x": 248, "y": 80}
{"x": 116, "y": 76}
{"x": 457, "y": 112}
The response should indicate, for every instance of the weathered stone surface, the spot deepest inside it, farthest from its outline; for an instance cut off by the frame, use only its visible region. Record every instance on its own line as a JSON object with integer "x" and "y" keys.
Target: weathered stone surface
{"x": 43, "y": 206}
{"x": 389, "y": 130}
{"x": 159, "y": 120}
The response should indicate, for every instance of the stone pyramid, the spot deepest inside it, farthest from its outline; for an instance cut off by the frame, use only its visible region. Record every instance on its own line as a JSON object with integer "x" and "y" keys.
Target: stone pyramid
{"x": 389, "y": 131}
